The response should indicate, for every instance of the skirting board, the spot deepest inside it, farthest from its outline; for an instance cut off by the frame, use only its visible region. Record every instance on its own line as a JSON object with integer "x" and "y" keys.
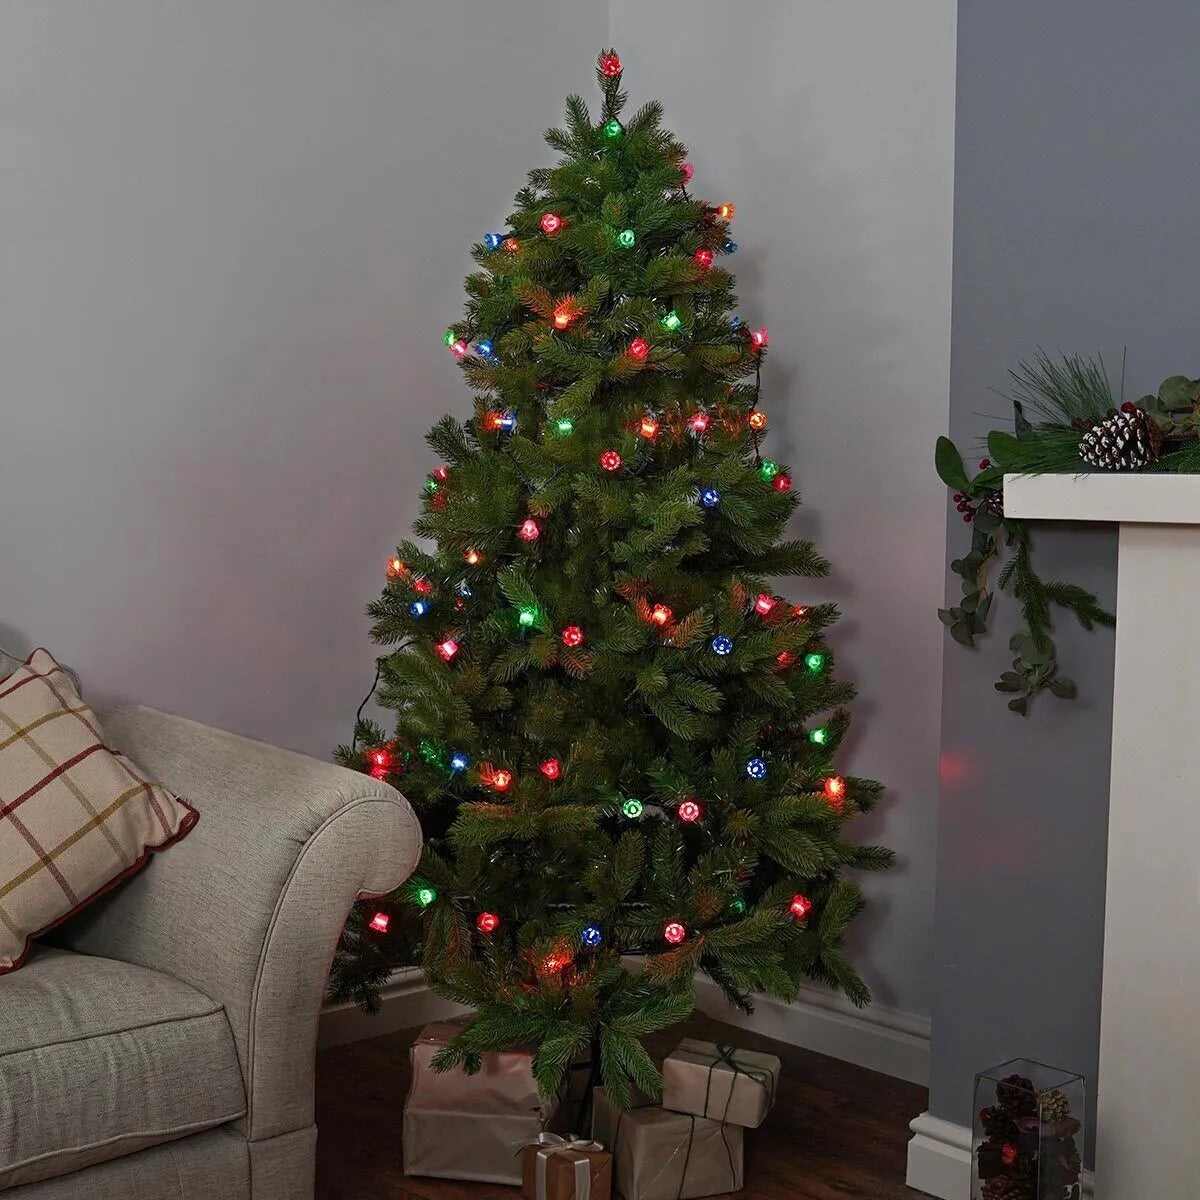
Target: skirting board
{"x": 939, "y": 1159}
{"x": 880, "y": 1039}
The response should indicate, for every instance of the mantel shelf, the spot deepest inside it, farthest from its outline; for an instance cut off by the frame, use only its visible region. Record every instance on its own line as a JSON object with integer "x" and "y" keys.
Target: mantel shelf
{"x": 1133, "y": 499}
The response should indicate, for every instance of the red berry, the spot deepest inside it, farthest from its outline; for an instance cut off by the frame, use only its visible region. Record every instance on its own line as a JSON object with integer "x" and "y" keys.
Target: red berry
{"x": 1128, "y": 406}
{"x": 959, "y": 497}
{"x": 962, "y": 506}
{"x": 967, "y": 516}
{"x": 984, "y": 463}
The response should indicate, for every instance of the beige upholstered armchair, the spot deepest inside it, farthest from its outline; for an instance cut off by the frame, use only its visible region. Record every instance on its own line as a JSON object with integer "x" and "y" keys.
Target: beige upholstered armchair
{"x": 162, "y": 1048}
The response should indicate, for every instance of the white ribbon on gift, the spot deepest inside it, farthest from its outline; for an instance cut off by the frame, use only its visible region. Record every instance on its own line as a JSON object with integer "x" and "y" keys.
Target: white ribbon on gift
{"x": 550, "y": 1144}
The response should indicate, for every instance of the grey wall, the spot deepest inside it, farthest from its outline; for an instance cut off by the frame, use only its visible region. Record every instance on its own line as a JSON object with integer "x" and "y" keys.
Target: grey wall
{"x": 830, "y": 125}
{"x": 233, "y": 233}
{"x": 1076, "y": 176}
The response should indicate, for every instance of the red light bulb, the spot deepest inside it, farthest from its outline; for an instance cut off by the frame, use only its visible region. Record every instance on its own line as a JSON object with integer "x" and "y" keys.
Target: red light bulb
{"x": 572, "y": 636}
{"x": 726, "y": 211}
{"x": 493, "y": 421}
{"x": 511, "y": 245}
{"x": 487, "y": 922}
{"x": 799, "y": 612}
{"x": 661, "y": 615}
{"x": 610, "y": 460}
{"x": 448, "y": 649}
{"x": 563, "y": 316}
{"x": 704, "y": 257}
{"x": 648, "y": 428}
{"x": 553, "y": 963}
{"x": 422, "y": 587}
{"x": 757, "y": 420}
{"x": 699, "y": 422}
{"x": 763, "y": 604}
{"x": 687, "y": 171}
{"x": 551, "y": 768}
{"x": 501, "y": 780}
{"x": 442, "y": 473}
{"x": 760, "y": 338}
{"x": 674, "y": 932}
{"x": 379, "y": 922}
{"x": 610, "y": 65}
{"x": 784, "y": 659}
{"x": 835, "y": 787}
{"x": 781, "y": 483}
{"x": 396, "y": 568}
{"x": 689, "y": 810}
{"x": 800, "y": 906}
{"x": 551, "y": 223}
{"x": 639, "y": 348}
{"x": 472, "y": 557}
{"x": 380, "y": 760}
{"x": 529, "y": 531}
{"x": 459, "y": 348}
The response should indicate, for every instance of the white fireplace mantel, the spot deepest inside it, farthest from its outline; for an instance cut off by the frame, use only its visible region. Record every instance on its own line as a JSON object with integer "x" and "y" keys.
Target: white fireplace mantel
{"x": 1148, "y": 1102}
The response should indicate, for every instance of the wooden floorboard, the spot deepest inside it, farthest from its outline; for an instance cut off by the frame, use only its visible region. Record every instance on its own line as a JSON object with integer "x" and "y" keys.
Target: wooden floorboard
{"x": 837, "y": 1132}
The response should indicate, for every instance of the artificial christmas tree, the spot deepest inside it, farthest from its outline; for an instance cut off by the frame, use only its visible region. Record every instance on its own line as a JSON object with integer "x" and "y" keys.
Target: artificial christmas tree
{"x": 610, "y": 725}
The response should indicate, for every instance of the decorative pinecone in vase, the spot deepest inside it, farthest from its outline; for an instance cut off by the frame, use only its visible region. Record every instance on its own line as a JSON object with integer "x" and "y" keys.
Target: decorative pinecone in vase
{"x": 1053, "y": 1106}
{"x": 1126, "y": 441}
{"x": 1009, "y": 1187}
{"x": 1015, "y": 1094}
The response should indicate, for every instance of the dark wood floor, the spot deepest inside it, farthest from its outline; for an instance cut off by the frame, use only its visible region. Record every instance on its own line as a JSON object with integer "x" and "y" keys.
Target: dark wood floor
{"x": 837, "y": 1132}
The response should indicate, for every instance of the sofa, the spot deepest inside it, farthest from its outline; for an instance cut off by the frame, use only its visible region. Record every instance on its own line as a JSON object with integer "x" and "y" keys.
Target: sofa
{"x": 161, "y": 1045}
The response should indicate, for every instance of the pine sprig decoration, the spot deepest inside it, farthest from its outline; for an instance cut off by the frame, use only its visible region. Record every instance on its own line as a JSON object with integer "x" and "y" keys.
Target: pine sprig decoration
{"x": 605, "y": 716}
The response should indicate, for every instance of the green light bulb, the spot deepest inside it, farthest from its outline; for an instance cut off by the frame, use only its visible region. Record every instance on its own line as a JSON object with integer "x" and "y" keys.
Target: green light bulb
{"x": 632, "y": 808}
{"x": 430, "y": 752}
{"x": 527, "y": 616}
{"x": 426, "y": 896}
{"x": 738, "y": 904}
{"x": 627, "y": 238}
{"x": 814, "y": 662}
{"x": 431, "y": 486}
{"x": 819, "y": 736}
{"x": 671, "y": 321}
{"x": 613, "y": 128}
{"x": 769, "y": 468}
{"x": 449, "y": 338}
{"x": 565, "y": 426}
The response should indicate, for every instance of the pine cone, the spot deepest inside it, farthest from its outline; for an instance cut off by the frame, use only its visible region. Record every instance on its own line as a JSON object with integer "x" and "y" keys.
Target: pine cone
{"x": 1009, "y": 1187}
{"x": 993, "y": 503}
{"x": 997, "y": 1124}
{"x": 1126, "y": 441}
{"x": 1015, "y": 1094}
{"x": 1053, "y": 1106}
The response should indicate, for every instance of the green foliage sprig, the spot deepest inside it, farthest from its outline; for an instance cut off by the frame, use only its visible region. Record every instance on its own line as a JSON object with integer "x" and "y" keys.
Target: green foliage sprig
{"x": 1055, "y": 405}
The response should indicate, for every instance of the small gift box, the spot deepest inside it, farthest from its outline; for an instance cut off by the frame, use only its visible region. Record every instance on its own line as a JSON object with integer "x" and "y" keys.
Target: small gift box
{"x": 559, "y": 1168}
{"x": 721, "y": 1082}
{"x": 460, "y": 1126}
{"x": 661, "y": 1155}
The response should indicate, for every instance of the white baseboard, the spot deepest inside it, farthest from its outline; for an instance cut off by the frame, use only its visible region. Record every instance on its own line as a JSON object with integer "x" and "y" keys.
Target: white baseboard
{"x": 877, "y": 1038}
{"x": 939, "y": 1159}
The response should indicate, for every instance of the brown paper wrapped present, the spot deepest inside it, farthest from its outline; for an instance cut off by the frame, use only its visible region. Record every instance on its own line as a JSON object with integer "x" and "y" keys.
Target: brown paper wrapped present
{"x": 661, "y": 1155}
{"x": 460, "y": 1126}
{"x": 559, "y": 1168}
{"x": 722, "y": 1082}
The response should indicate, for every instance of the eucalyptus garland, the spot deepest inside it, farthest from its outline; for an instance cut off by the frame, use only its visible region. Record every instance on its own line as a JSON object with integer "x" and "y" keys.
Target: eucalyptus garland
{"x": 1066, "y": 420}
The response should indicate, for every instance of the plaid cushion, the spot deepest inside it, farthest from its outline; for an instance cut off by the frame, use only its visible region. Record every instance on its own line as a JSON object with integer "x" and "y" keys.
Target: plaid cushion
{"x": 76, "y": 817}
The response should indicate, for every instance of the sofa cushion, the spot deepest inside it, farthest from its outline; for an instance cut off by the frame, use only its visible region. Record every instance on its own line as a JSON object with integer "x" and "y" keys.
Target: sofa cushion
{"x": 76, "y": 817}
{"x": 99, "y": 1058}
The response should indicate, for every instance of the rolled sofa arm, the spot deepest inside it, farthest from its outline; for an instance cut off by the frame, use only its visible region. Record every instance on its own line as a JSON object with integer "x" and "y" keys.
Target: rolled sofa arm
{"x": 248, "y": 907}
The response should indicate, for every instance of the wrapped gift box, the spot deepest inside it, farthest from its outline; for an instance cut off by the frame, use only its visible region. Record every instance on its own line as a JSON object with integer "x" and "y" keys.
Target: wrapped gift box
{"x": 559, "y": 1168}
{"x": 460, "y": 1126}
{"x": 724, "y": 1083}
{"x": 661, "y": 1155}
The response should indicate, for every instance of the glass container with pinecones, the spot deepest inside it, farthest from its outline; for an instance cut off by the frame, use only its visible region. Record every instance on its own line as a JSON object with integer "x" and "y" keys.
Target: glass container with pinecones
{"x": 1028, "y": 1141}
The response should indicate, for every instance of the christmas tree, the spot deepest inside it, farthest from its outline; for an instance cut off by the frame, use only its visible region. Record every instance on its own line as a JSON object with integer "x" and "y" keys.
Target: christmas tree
{"x": 619, "y": 740}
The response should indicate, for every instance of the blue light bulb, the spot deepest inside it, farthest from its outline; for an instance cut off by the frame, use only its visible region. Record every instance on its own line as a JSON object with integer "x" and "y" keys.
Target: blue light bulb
{"x": 730, "y": 247}
{"x": 592, "y": 936}
{"x": 735, "y": 322}
{"x": 464, "y": 589}
{"x": 493, "y": 241}
{"x": 756, "y": 768}
{"x": 459, "y": 761}
{"x": 722, "y": 645}
{"x": 508, "y": 421}
{"x": 419, "y": 608}
{"x": 485, "y": 348}
{"x": 710, "y": 497}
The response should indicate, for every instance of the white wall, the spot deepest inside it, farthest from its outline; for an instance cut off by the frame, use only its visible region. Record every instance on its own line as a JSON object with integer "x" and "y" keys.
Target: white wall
{"x": 233, "y": 233}
{"x": 831, "y": 126}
